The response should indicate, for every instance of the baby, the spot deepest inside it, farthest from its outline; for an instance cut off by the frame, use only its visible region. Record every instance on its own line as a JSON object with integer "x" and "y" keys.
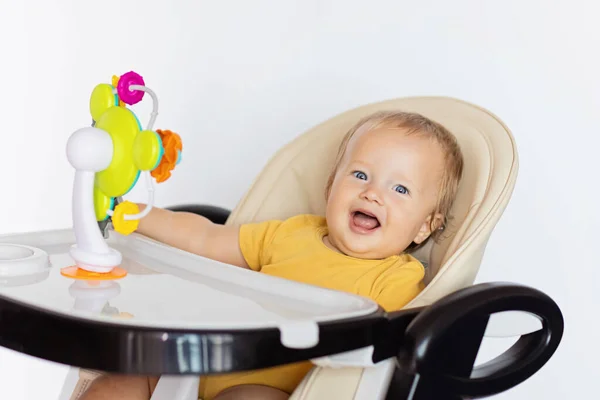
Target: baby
{"x": 391, "y": 189}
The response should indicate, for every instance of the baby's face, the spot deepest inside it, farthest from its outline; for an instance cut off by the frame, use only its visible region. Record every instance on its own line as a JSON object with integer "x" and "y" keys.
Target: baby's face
{"x": 383, "y": 194}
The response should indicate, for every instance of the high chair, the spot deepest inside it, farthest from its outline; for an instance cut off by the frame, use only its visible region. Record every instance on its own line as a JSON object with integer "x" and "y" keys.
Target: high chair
{"x": 425, "y": 351}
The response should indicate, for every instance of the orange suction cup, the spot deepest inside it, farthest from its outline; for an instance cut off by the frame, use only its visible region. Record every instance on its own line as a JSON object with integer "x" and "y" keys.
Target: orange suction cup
{"x": 75, "y": 272}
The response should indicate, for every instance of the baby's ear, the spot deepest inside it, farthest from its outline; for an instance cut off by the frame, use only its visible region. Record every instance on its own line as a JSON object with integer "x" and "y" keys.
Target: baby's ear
{"x": 432, "y": 222}
{"x": 438, "y": 221}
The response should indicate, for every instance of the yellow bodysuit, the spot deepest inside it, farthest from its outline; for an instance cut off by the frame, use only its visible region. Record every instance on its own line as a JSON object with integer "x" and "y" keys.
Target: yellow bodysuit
{"x": 294, "y": 249}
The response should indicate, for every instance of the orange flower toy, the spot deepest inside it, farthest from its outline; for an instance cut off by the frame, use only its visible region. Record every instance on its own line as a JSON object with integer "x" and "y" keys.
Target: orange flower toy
{"x": 108, "y": 158}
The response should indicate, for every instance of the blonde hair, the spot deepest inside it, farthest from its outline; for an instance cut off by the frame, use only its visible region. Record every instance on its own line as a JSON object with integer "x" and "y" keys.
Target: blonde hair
{"x": 413, "y": 123}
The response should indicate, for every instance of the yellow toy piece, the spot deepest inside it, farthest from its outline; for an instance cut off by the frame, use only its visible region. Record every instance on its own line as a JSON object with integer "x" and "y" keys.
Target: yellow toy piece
{"x": 147, "y": 150}
{"x": 121, "y": 225}
{"x": 102, "y": 99}
{"x": 115, "y": 82}
{"x": 102, "y": 203}
{"x": 121, "y": 175}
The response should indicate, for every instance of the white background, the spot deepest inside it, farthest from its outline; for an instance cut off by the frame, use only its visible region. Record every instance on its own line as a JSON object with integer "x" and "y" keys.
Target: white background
{"x": 237, "y": 79}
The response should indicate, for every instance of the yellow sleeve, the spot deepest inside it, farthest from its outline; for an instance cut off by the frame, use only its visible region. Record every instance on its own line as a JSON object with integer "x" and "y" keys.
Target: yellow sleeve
{"x": 400, "y": 286}
{"x": 255, "y": 240}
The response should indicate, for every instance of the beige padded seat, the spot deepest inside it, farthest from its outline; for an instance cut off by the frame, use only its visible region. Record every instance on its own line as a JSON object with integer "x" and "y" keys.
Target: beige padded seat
{"x": 293, "y": 182}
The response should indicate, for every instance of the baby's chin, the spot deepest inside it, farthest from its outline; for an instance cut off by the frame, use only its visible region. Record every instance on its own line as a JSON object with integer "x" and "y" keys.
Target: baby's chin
{"x": 356, "y": 250}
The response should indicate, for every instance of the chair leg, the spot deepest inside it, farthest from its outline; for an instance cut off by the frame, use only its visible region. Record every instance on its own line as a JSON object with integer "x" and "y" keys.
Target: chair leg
{"x": 76, "y": 383}
{"x": 168, "y": 387}
{"x": 176, "y": 388}
{"x": 328, "y": 383}
{"x": 71, "y": 388}
{"x": 375, "y": 380}
{"x": 347, "y": 383}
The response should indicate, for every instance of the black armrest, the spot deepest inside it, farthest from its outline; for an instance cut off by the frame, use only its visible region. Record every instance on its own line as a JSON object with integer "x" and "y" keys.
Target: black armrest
{"x": 440, "y": 344}
{"x": 216, "y": 214}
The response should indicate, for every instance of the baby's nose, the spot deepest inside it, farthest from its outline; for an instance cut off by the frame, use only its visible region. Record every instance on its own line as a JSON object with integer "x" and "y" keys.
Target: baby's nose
{"x": 371, "y": 194}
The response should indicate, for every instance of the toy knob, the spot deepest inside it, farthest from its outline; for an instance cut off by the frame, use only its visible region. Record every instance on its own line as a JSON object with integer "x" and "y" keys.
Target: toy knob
{"x": 173, "y": 147}
{"x": 90, "y": 149}
{"x": 129, "y": 96}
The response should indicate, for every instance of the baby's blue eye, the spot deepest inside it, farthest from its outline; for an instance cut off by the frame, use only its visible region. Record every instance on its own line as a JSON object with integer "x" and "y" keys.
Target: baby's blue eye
{"x": 360, "y": 175}
{"x": 401, "y": 189}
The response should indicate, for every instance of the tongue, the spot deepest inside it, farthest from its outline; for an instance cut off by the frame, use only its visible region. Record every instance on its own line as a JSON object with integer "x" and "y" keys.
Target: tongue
{"x": 365, "y": 221}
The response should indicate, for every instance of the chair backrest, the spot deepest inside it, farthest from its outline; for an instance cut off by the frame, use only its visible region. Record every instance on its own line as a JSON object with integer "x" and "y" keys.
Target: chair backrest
{"x": 294, "y": 179}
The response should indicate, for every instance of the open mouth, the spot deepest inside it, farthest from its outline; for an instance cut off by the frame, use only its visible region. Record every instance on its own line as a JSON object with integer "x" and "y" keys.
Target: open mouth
{"x": 364, "y": 221}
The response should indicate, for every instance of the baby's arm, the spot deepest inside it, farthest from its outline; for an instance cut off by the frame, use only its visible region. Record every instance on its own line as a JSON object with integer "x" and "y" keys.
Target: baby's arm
{"x": 193, "y": 233}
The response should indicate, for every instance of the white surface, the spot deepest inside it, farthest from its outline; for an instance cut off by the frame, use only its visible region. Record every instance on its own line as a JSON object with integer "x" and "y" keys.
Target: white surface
{"x": 511, "y": 324}
{"x": 238, "y": 79}
{"x": 169, "y": 288}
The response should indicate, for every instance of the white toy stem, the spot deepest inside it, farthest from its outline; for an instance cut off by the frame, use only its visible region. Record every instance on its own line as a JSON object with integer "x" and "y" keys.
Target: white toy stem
{"x": 83, "y": 211}
{"x": 89, "y": 150}
{"x": 154, "y": 112}
{"x": 91, "y": 251}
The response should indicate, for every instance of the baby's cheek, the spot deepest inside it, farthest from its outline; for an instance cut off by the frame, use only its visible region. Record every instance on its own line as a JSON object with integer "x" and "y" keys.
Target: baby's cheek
{"x": 396, "y": 209}
{"x": 401, "y": 219}
{"x": 343, "y": 188}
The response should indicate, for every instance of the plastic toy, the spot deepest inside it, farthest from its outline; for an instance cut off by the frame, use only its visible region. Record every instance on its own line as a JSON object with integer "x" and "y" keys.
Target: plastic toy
{"x": 109, "y": 158}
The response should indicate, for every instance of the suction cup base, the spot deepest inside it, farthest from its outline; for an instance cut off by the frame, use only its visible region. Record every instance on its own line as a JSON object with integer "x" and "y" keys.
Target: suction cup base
{"x": 96, "y": 260}
{"x": 74, "y": 272}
